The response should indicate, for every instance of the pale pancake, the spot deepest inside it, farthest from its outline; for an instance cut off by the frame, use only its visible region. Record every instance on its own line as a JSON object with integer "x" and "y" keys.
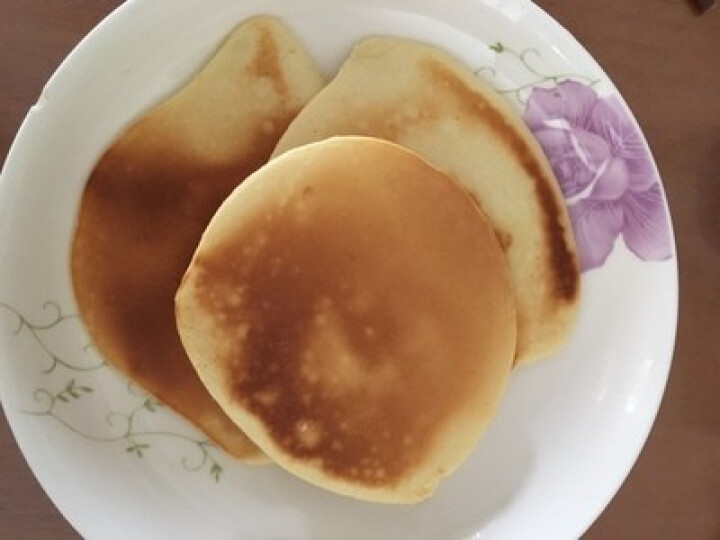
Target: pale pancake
{"x": 425, "y": 100}
{"x": 152, "y": 194}
{"x": 350, "y": 308}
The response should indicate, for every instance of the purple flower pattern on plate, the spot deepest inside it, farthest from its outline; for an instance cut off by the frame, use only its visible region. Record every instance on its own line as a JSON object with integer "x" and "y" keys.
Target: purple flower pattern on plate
{"x": 605, "y": 172}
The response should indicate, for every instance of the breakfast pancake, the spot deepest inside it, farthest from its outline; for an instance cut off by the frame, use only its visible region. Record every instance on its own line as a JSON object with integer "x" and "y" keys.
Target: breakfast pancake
{"x": 350, "y": 308}
{"x": 153, "y": 192}
{"x": 420, "y": 97}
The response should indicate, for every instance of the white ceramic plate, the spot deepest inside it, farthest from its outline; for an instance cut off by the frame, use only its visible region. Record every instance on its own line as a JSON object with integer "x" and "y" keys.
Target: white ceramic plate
{"x": 118, "y": 465}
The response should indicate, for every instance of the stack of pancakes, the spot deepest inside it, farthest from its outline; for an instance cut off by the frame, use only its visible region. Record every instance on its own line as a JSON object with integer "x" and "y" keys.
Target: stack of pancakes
{"x": 337, "y": 279}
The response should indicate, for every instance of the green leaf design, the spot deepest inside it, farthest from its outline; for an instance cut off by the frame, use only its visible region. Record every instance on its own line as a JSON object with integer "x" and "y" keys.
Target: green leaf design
{"x": 216, "y": 471}
{"x": 138, "y": 449}
{"x": 149, "y": 405}
{"x": 71, "y": 390}
{"x": 498, "y": 47}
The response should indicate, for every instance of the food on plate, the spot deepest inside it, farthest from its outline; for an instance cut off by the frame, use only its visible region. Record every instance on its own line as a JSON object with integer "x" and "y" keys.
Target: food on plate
{"x": 154, "y": 190}
{"x": 420, "y": 97}
{"x": 350, "y": 308}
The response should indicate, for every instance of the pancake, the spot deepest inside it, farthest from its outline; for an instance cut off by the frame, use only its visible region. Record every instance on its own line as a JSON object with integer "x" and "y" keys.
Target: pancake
{"x": 350, "y": 308}
{"x": 422, "y": 98}
{"x": 152, "y": 194}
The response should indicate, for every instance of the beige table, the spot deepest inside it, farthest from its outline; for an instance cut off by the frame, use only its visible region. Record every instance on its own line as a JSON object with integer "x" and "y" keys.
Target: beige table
{"x": 666, "y": 61}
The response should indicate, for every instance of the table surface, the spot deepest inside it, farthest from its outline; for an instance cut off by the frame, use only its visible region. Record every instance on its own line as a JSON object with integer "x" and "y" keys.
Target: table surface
{"x": 665, "y": 59}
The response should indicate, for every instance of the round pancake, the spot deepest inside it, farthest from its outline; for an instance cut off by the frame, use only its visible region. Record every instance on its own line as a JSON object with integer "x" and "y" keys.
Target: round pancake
{"x": 153, "y": 192}
{"x": 425, "y": 100}
{"x": 349, "y": 307}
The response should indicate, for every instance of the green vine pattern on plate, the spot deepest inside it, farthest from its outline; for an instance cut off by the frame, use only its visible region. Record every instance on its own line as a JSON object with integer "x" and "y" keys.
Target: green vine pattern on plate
{"x": 530, "y": 59}
{"x": 124, "y": 426}
{"x": 36, "y": 329}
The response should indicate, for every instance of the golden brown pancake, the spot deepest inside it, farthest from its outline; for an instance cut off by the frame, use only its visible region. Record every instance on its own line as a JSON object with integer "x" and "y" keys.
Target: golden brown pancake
{"x": 422, "y": 98}
{"x": 350, "y": 308}
{"x": 154, "y": 191}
